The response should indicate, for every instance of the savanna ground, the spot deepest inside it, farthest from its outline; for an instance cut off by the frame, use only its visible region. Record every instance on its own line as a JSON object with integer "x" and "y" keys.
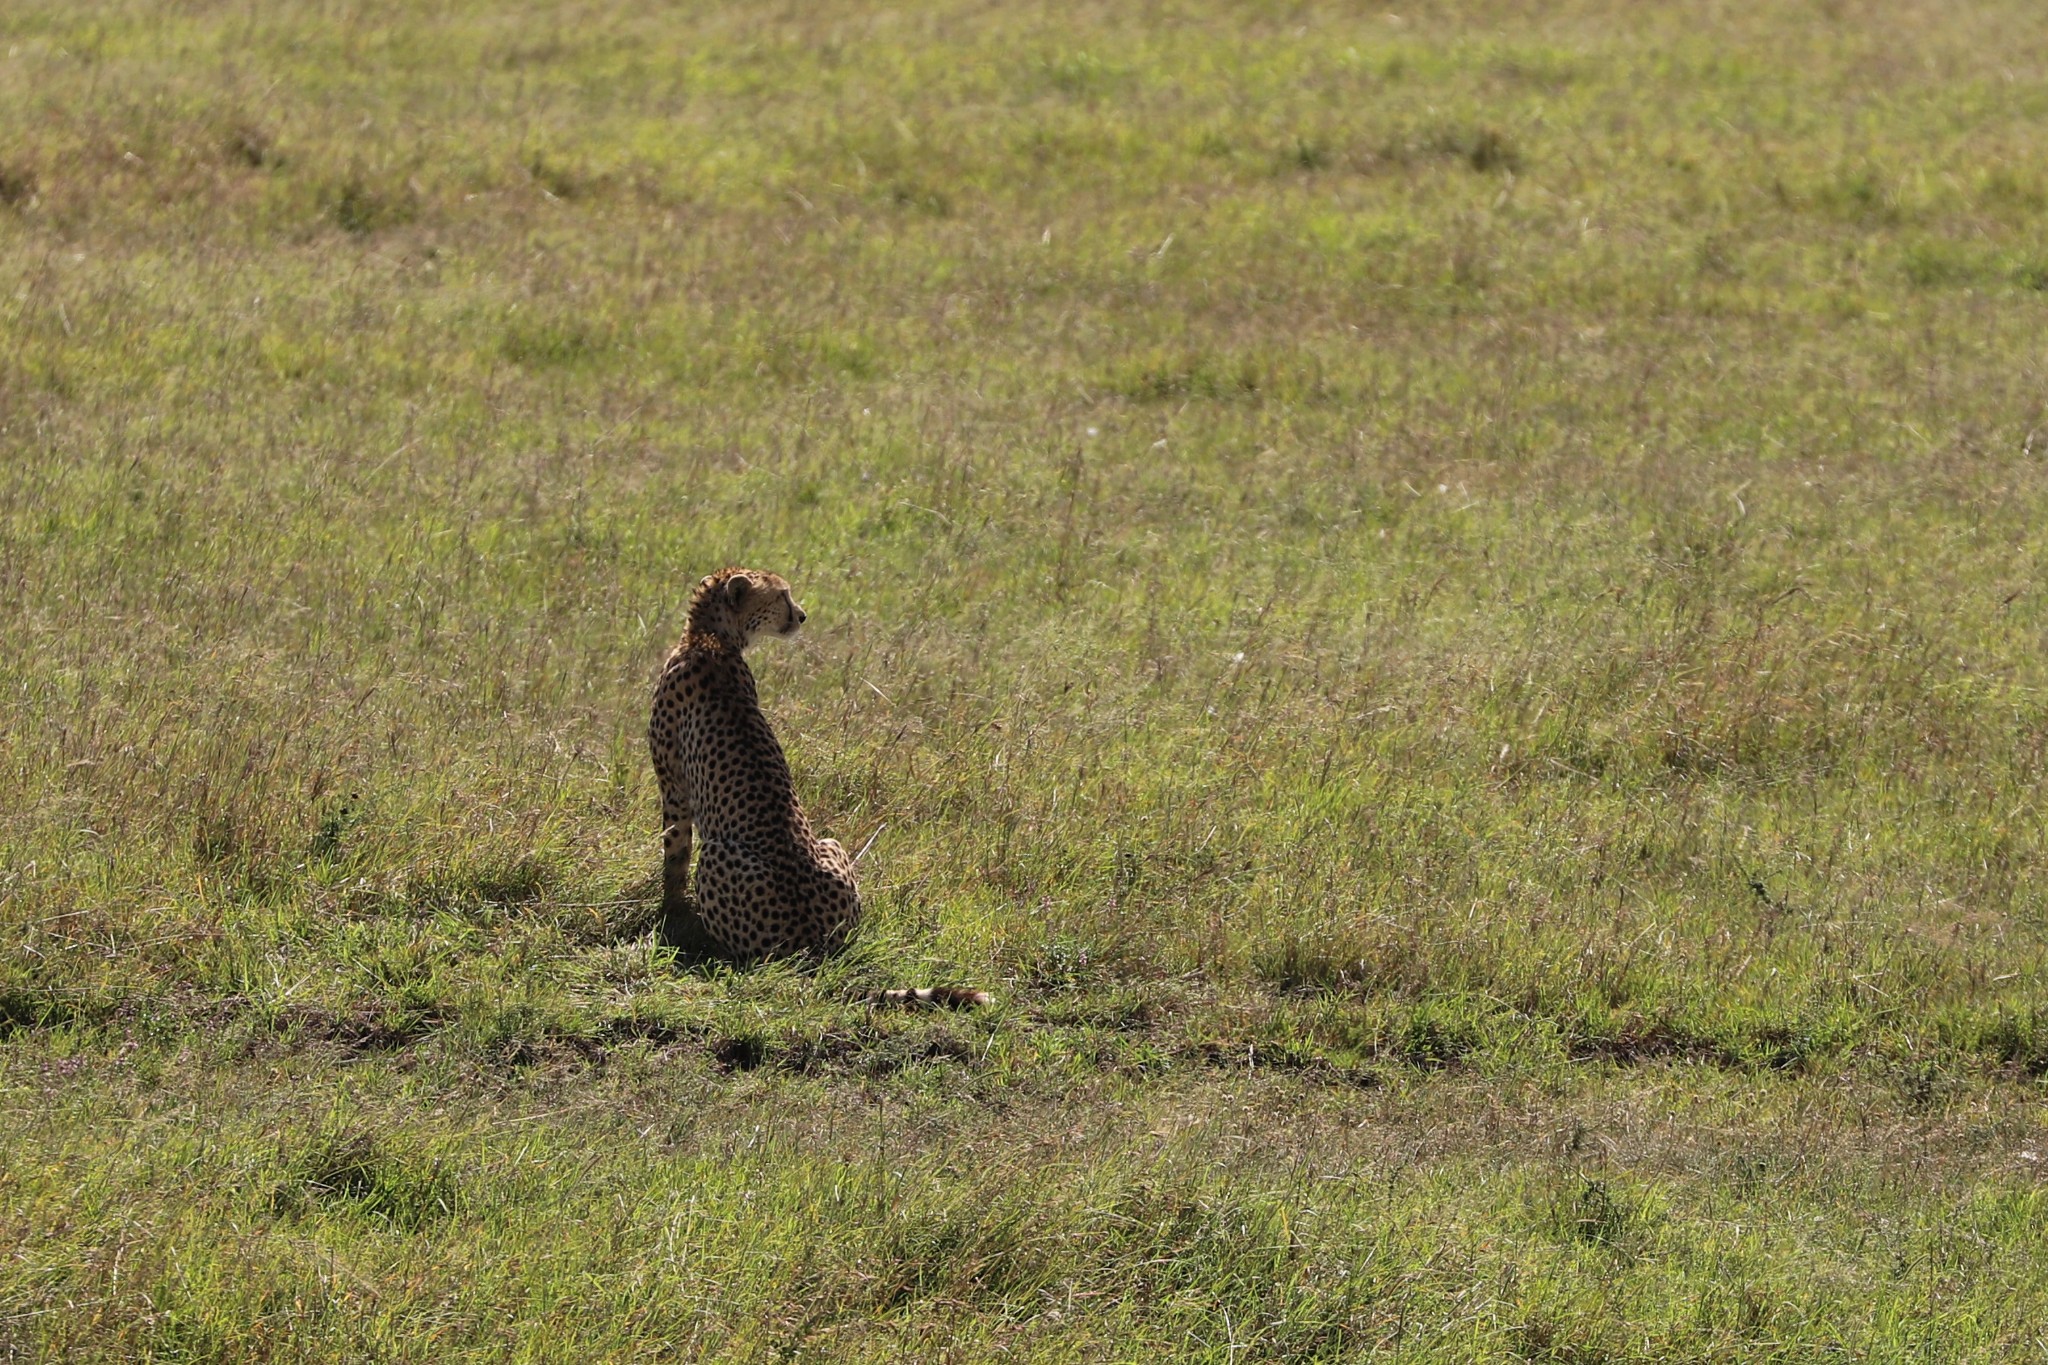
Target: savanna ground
{"x": 1446, "y": 605}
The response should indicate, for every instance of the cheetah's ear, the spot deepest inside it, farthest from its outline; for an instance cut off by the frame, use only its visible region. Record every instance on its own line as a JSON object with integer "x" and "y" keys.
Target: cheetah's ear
{"x": 736, "y": 588}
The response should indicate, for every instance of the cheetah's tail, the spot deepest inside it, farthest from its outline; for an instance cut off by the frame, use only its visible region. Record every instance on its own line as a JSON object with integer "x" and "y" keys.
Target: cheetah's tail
{"x": 940, "y": 997}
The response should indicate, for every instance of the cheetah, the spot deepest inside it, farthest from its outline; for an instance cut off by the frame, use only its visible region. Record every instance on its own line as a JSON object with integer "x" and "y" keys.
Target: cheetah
{"x": 767, "y": 885}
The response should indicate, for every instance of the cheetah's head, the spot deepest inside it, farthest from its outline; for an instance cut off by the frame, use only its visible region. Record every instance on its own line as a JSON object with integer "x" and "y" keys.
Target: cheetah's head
{"x": 758, "y": 605}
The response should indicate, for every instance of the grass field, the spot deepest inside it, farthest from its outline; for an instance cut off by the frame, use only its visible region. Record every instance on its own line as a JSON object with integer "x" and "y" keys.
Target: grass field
{"x": 1446, "y": 605}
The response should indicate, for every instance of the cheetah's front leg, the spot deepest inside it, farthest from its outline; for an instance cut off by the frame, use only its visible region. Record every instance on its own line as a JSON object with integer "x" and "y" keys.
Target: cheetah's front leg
{"x": 675, "y": 856}
{"x": 680, "y": 926}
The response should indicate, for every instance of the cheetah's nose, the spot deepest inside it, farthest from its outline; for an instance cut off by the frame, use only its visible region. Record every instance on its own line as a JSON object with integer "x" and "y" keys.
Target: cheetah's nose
{"x": 800, "y": 617}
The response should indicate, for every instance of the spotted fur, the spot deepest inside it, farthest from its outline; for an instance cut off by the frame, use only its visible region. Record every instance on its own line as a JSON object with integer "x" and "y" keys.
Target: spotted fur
{"x": 947, "y": 997}
{"x": 766, "y": 885}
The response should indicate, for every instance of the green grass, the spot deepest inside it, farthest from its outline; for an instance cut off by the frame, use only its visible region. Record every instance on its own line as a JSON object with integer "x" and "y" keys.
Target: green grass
{"x": 1446, "y": 606}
